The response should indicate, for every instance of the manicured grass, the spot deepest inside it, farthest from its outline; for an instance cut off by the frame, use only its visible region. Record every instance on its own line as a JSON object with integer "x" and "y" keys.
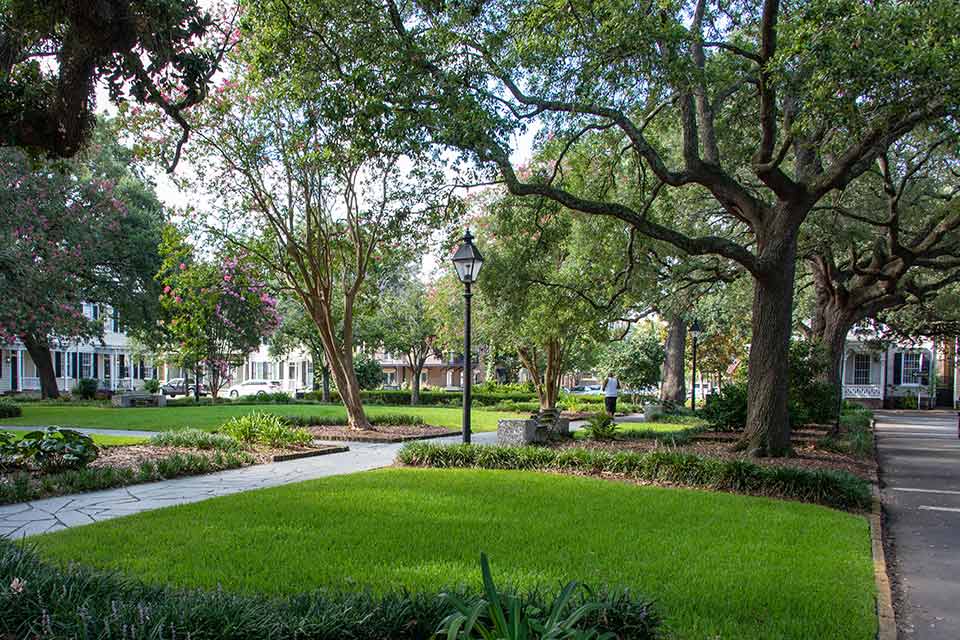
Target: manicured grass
{"x": 209, "y": 418}
{"x": 99, "y": 440}
{"x": 718, "y": 565}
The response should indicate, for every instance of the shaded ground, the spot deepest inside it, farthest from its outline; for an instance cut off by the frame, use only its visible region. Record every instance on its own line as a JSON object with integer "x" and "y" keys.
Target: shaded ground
{"x": 805, "y": 454}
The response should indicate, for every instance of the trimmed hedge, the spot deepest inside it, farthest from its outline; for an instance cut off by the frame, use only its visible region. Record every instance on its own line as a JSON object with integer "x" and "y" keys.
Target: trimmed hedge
{"x": 9, "y": 409}
{"x": 40, "y": 600}
{"x": 387, "y": 419}
{"x": 832, "y": 488}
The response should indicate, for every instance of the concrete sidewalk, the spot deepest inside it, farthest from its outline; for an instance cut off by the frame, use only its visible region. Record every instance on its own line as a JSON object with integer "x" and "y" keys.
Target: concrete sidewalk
{"x": 53, "y": 514}
{"x": 920, "y": 473}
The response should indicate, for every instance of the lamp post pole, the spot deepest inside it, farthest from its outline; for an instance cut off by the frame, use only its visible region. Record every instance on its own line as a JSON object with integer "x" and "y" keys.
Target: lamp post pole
{"x": 693, "y": 378}
{"x": 467, "y": 366}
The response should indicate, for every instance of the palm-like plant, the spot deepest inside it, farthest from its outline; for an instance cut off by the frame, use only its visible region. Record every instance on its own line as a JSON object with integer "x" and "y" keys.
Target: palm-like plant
{"x": 497, "y": 616}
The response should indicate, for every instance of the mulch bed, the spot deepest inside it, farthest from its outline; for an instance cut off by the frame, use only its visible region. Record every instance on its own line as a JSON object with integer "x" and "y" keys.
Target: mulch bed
{"x": 381, "y": 433}
{"x": 133, "y": 455}
{"x": 806, "y": 456}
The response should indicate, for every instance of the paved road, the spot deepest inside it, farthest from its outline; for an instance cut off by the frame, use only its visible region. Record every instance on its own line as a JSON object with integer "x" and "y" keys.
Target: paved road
{"x": 920, "y": 474}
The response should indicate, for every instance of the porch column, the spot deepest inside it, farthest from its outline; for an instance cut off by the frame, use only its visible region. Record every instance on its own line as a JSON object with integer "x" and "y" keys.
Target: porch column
{"x": 20, "y": 369}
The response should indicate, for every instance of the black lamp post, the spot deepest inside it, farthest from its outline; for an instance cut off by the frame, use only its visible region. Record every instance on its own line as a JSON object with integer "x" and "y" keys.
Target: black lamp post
{"x": 695, "y": 330}
{"x": 467, "y": 261}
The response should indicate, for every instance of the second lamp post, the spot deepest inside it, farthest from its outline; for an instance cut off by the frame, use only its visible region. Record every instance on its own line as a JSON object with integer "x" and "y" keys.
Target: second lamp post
{"x": 467, "y": 261}
{"x": 695, "y": 330}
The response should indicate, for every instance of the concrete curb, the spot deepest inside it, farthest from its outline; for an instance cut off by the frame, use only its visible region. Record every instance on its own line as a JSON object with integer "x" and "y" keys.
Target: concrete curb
{"x": 886, "y": 617}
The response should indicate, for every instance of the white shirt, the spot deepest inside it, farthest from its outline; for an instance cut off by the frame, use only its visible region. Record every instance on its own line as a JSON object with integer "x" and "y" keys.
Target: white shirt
{"x": 611, "y": 388}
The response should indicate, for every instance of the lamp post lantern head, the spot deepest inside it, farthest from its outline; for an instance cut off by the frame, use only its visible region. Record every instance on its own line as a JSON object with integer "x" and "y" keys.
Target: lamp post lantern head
{"x": 467, "y": 260}
{"x": 695, "y": 329}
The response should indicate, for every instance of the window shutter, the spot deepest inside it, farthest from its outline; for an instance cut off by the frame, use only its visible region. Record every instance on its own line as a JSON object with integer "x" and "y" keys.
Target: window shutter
{"x": 95, "y": 372}
{"x": 57, "y": 364}
{"x": 73, "y": 365}
{"x": 898, "y": 368}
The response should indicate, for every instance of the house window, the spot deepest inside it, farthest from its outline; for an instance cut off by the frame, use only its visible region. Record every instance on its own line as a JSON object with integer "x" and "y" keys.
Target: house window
{"x": 86, "y": 365}
{"x": 424, "y": 377}
{"x": 106, "y": 367}
{"x": 115, "y": 321}
{"x": 911, "y": 367}
{"x": 862, "y": 363}
{"x": 122, "y": 366}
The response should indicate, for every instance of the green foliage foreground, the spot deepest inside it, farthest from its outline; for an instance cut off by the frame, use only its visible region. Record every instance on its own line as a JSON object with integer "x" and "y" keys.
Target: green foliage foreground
{"x": 832, "y": 488}
{"x": 715, "y": 564}
{"x": 44, "y": 601}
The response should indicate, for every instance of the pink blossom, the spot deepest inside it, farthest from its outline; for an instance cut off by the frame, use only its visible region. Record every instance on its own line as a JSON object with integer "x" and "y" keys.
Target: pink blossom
{"x": 166, "y": 289}
{"x": 183, "y": 266}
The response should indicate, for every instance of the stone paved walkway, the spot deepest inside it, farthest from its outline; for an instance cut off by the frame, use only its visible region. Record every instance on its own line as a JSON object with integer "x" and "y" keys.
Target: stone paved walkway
{"x": 53, "y": 514}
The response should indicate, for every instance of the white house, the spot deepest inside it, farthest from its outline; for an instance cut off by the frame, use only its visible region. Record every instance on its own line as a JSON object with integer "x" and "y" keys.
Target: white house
{"x": 923, "y": 373}
{"x": 115, "y": 365}
{"x": 111, "y": 361}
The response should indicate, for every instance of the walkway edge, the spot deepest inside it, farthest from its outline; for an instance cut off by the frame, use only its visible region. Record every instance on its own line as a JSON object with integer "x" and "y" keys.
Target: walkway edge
{"x": 886, "y": 617}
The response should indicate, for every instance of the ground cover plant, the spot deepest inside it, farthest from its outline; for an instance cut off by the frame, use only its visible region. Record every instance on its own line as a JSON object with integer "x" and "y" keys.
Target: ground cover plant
{"x": 382, "y": 420}
{"x": 832, "y": 488}
{"x": 209, "y": 418}
{"x": 9, "y": 409}
{"x": 45, "y": 601}
{"x": 715, "y": 564}
{"x": 101, "y": 440}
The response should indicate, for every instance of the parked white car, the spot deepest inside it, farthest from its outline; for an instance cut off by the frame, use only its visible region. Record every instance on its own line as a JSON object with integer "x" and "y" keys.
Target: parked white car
{"x": 252, "y": 388}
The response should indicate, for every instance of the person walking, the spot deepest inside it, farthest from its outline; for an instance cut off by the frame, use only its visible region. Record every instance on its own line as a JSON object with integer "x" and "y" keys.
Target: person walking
{"x": 611, "y": 387}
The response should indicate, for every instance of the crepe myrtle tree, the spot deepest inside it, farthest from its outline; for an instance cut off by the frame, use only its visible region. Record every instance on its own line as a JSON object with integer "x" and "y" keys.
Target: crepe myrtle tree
{"x": 214, "y": 312}
{"x": 54, "y": 53}
{"x": 410, "y": 326}
{"x": 81, "y": 231}
{"x": 766, "y": 106}
{"x": 549, "y": 289}
{"x": 325, "y": 212}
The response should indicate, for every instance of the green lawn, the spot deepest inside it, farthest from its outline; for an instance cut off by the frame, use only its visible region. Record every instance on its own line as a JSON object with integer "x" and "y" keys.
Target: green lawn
{"x": 718, "y": 565}
{"x": 102, "y": 441}
{"x": 211, "y": 417}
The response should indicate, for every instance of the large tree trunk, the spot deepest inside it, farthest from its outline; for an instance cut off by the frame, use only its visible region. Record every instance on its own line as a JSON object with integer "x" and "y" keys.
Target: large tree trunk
{"x": 39, "y": 352}
{"x": 768, "y": 417}
{"x": 341, "y": 366}
{"x": 673, "y": 389}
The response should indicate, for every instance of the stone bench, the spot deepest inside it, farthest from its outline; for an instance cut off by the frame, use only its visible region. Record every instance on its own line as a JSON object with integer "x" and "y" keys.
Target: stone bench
{"x": 523, "y": 432}
{"x": 137, "y": 399}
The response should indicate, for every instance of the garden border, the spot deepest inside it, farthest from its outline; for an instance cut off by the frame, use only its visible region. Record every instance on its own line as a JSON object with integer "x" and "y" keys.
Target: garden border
{"x": 320, "y": 451}
{"x": 391, "y": 440}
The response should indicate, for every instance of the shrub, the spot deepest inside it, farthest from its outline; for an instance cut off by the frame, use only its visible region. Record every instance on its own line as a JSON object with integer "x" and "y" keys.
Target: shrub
{"x": 9, "y": 409}
{"x": 50, "y": 450}
{"x": 41, "y": 599}
{"x": 196, "y": 439}
{"x": 265, "y": 428}
{"x": 832, "y": 488}
{"x": 387, "y": 419}
{"x": 600, "y": 426}
{"x": 151, "y": 385}
{"x": 86, "y": 388}
{"x": 509, "y": 616}
{"x": 727, "y": 411}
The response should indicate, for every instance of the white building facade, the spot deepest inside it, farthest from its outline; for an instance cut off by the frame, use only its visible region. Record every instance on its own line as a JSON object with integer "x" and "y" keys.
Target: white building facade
{"x": 921, "y": 374}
